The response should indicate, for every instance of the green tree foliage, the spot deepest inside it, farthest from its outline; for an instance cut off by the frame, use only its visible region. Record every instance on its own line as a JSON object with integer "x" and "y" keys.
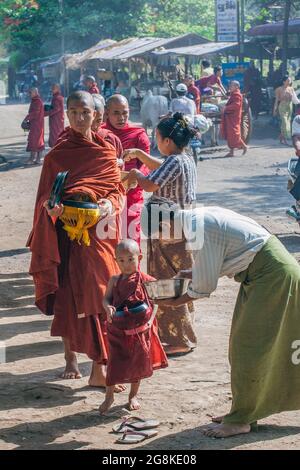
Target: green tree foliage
{"x": 34, "y": 28}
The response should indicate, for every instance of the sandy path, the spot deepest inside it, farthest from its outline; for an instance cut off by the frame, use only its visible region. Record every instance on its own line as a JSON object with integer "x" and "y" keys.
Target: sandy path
{"x": 40, "y": 411}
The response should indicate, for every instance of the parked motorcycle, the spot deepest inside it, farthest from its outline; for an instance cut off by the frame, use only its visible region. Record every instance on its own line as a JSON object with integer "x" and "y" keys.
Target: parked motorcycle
{"x": 293, "y": 187}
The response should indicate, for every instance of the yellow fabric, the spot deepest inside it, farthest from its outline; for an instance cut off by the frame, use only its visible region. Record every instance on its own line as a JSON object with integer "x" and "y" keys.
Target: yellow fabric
{"x": 77, "y": 221}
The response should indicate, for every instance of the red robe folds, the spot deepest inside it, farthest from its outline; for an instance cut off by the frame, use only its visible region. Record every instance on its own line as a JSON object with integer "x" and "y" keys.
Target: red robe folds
{"x": 70, "y": 279}
{"x": 56, "y": 118}
{"x": 133, "y": 137}
{"x": 135, "y": 350}
{"x": 36, "y": 117}
{"x": 231, "y": 121}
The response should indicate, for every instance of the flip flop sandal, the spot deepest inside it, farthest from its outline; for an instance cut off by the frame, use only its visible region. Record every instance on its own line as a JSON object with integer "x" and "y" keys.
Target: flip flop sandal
{"x": 133, "y": 437}
{"x": 134, "y": 423}
{"x": 57, "y": 189}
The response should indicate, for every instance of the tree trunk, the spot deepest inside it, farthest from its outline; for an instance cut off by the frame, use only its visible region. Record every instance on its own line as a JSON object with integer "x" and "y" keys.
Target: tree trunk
{"x": 285, "y": 39}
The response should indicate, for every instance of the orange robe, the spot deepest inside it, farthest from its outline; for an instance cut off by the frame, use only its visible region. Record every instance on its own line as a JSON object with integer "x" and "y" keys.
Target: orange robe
{"x": 231, "y": 121}
{"x": 70, "y": 279}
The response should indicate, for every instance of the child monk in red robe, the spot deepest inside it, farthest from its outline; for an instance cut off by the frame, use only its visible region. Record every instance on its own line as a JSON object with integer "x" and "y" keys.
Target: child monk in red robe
{"x": 117, "y": 121}
{"x": 231, "y": 120}
{"x": 35, "y": 116}
{"x": 134, "y": 347}
{"x": 71, "y": 278}
{"x": 56, "y": 115}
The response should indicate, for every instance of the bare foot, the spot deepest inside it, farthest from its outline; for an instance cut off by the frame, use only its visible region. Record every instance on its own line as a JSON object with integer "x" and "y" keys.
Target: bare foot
{"x": 245, "y": 149}
{"x": 229, "y": 154}
{"x": 217, "y": 419}
{"x": 133, "y": 403}
{"x": 226, "y": 430}
{"x": 176, "y": 349}
{"x": 105, "y": 406}
{"x": 98, "y": 378}
{"x": 29, "y": 161}
{"x": 71, "y": 371}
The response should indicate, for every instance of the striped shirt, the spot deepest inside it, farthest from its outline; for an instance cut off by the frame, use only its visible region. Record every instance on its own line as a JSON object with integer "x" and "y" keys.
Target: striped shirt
{"x": 176, "y": 178}
{"x": 227, "y": 244}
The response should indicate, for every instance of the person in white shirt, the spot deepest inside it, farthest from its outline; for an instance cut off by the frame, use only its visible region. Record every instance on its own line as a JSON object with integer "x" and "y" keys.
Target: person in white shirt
{"x": 183, "y": 104}
{"x": 264, "y": 346}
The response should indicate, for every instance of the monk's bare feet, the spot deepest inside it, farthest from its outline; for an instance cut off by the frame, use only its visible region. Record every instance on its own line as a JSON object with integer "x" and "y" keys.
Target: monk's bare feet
{"x": 71, "y": 371}
{"x": 106, "y": 405}
{"x": 133, "y": 403}
{"x": 229, "y": 154}
{"x": 226, "y": 430}
{"x": 98, "y": 378}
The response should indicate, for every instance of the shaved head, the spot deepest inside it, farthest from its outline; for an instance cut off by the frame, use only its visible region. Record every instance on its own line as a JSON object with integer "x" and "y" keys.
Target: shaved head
{"x": 117, "y": 111}
{"x": 99, "y": 103}
{"x": 129, "y": 246}
{"x": 117, "y": 99}
{"x": 81, "y": 97}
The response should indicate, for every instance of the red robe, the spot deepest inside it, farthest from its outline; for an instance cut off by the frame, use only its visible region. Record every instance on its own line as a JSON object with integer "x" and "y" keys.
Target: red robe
{"x": 56, "y": 118}
{"x": 70, "y": 279}
{"x": 36, "y": 117}
{"x": 197, "y": 96}
{"x": 132, "y": 357}
{"x": 231, "y": 121}
{"x": 105, "y": 134}
{"x": 132, "y": 137}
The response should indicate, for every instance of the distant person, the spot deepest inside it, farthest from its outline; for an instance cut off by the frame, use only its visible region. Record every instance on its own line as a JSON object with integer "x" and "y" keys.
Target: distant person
{"x": 183, "y": 104}
{"x": 91, "y": 85}
{"x": 35, "y": 116}
{"x": 285, "y": 98}
{"x": 193, "y": 91}
{"x": 231, "y": 120}
{"x": 212, "y": 81}
{"x": 253, "y": 85}
{"x": 206, "y": 68}
{"x": 56, "y": 115}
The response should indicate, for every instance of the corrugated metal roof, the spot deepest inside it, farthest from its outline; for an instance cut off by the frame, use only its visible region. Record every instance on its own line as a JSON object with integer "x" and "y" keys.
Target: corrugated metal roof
{"x": 199, "y": 49}
{"x": 134, "y": 47}
{"x": 272, "y": 29}
{"x": 126, "y": 48}
{"x": 74, "y": 61}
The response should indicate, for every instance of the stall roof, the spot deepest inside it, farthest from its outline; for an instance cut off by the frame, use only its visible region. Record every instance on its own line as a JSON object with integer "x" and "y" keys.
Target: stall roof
{"x": 73, "y": 61}
{"x": 273, "y": 29}
{"x": 199, "y": 49}
{"x": 134, "y": 47}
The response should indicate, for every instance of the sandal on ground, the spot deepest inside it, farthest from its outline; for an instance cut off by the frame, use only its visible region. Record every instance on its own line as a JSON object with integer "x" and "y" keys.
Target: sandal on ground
{"x": 133, "y": 437}
{"x": 134, "y": 423}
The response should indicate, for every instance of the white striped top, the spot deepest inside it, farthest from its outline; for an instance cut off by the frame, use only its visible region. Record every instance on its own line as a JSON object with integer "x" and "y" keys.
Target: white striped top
{"x": 176, "y": 178}
{"x": 227, "y": 244}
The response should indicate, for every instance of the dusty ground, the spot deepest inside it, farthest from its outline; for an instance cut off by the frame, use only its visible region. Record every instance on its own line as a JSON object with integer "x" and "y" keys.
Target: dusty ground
{"x": 40, "y": 411}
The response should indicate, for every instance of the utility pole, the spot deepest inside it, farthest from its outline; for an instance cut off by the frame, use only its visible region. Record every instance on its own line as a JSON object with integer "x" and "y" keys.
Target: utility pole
{"x": 242, "y": 33}
{"x": 61, "y": 13}
{"x": 285, "y": 38}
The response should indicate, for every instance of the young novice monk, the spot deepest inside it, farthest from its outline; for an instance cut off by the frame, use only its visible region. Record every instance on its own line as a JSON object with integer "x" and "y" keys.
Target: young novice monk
{"x": 133, "y": 344}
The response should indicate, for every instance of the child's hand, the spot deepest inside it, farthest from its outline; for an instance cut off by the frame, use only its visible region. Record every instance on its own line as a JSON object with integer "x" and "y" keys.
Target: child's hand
{"x": 110, "y": 311}
{"x": 56, "y": 211}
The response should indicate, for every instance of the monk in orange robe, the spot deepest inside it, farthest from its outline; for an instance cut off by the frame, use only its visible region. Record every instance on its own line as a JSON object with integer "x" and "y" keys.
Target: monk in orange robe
{"x": 71, "y": 278}
{"x": 231, "y": 120}
{"x": 117, "y": 121}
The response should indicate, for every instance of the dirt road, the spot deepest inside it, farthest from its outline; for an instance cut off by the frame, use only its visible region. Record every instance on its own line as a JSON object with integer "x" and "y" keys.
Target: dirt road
{"x": 40, "y": 411}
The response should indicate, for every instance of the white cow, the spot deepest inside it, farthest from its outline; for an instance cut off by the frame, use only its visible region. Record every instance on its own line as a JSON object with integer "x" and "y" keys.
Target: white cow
{"x": 152, "y": 107}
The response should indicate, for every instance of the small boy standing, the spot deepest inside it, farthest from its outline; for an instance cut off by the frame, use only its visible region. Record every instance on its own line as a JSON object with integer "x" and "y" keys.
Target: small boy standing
{"x": 134, "y": 348}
